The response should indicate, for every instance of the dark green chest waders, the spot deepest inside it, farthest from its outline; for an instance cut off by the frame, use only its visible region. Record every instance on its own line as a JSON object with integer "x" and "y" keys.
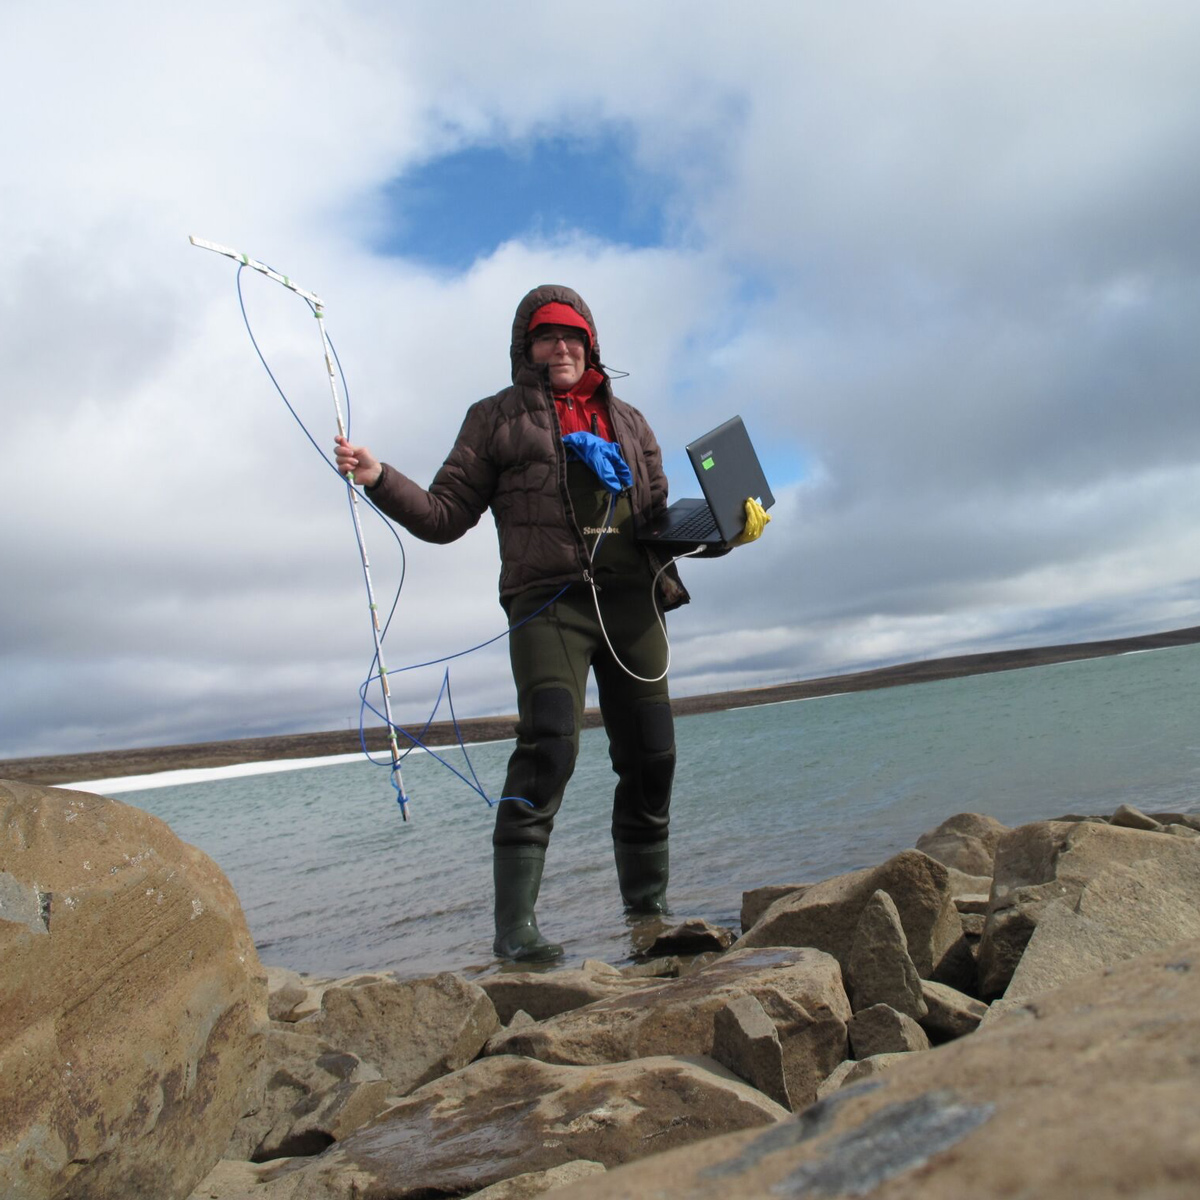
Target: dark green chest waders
{"x": 551, "y": 656}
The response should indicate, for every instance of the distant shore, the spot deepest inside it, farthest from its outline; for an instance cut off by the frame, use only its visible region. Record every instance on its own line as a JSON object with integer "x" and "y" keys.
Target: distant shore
{"x": 114, "y": 764}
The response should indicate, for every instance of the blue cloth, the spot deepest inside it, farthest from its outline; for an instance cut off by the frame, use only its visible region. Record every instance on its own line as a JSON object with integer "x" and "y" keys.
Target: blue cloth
{"x": 603, "y": 457}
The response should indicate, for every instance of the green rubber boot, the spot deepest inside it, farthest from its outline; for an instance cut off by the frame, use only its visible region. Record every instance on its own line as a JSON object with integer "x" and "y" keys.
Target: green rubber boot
{"x": 517, "y": 871}
{"x": 642, "y": 873}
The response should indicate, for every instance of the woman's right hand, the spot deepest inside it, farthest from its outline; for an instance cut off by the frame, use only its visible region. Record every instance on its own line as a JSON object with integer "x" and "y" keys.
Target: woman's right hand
{"x": 366, "y": 467}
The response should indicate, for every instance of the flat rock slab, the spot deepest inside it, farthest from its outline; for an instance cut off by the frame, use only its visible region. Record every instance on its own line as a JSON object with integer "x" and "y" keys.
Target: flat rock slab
{"x": 508, "y": 1116}
{"x": 411, "y": 1032}
{"x": 1051, "y": 863}
{"x": 1090, "y": 1091}
{"x": 537, "y": 1183}
{"x": 857, "y": 1070}
{"x": 314, "y": 1095}
{"x": 800, "y": 990}
{"x": 131, "y": 1001}
{"x": 544, "y": 994}
{"x": 1121, "y": 913}
{"x": 756, "y": 901}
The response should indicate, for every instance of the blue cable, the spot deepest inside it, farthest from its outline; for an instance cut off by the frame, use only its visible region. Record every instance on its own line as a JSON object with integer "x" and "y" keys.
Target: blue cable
{"x": 372, "y": 674}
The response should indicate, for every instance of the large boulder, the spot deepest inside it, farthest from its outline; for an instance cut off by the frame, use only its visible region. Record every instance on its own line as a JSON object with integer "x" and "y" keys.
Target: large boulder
{"x": 966, "y": 841}
{"x": 411, "y": 1031}
{"x": 1120, "y": 913}
{"x": 132, "y": 1002}
{"x": 507, "y": 1116}
{"x": 1048, "y": 865}
{"x": 826, "y": 915}
{"x": 799, "y": 989}
{"x": 1091, "y": 1091}
{"x": 756, "y": 901}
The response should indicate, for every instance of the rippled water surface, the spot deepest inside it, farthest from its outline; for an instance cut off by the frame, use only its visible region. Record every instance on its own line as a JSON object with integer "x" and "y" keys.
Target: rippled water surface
{"x": 332, "y": 880}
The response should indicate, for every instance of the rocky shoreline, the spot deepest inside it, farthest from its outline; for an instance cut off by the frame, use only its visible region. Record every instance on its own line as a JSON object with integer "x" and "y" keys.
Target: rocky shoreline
{"x": 114, "y": 764}
{"x": 994, "y": 1013}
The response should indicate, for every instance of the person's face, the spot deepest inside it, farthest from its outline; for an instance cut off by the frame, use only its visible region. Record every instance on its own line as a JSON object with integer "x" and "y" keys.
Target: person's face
{"x": 562, "y": 348}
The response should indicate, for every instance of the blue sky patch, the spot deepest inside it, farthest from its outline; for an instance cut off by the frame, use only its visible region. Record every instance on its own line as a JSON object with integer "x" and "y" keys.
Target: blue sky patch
{"x": 457, "y": 208}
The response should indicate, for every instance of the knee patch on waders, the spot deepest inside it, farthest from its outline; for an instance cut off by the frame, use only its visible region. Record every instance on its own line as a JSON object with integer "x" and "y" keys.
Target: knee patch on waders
{"x": 645, "y": 801}
{"x": 656, "y": 731}
{"x": 656, "y": 728}
{"x": 545, "y": 754}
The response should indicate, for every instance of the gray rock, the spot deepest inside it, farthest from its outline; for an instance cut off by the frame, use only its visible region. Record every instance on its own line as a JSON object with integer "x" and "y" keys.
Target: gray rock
{"x": 826, "y": 915}
{"x": 1192, "y": 820}
{"x": 286, "y": 991}
{"x": 962, "y": 884}
{"x": 856, "y": 1070}
{"x": 237, "y": 1179}
{"x": 1050, "y": 862}
{"x": 507, "y": 1116}
{"x": 537, "y": 1183}
{"x": 966, "y": 841}
{"x": 882, "y": 1030}
{"x": 693, "y": 936}
{"x": 800, "y": 989}
{"x": 756, "y": 901}
{"x": 951, "y": 1014}
{"x": 654, "y": 968}
{"x": 410, "y": 1032}
{"x": 1093, "y": 1094}
{"x": 971, "y": 903}
{"x": 880, "y": 970}
{"x": 314, "y": 1095}
{"x": 1129, "y": 817}
{"x": 1123, "y": 912}
{"x": 745, "y": 1041}
{"x": 1178, "y": 830}
{"x": 545, "y": 994}
{"x": 972, "y": 924}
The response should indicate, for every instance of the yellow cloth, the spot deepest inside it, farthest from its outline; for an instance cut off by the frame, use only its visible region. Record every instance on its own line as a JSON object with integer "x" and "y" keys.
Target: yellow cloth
{"x": 756, "y": 521}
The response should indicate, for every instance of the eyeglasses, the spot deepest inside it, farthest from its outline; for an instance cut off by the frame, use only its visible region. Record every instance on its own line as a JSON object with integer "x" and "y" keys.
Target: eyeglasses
{"x": 573, "y": 337}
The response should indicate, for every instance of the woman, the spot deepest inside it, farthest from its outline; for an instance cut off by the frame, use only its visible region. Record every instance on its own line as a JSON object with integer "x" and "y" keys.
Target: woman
{"x": 559, "y": 528}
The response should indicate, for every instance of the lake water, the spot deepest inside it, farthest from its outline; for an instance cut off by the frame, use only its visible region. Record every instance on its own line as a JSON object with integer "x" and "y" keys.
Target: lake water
{"x": 332, "y": 881}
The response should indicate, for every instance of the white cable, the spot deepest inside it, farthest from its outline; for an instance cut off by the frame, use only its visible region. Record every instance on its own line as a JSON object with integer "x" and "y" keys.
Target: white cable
{"x": 653, "y": 601}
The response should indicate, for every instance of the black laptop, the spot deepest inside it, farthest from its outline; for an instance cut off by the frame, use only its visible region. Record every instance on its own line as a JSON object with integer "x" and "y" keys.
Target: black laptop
{"x": 729, "y": 473}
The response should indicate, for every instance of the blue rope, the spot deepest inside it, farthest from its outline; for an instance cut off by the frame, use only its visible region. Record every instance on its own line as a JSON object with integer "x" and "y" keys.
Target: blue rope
{"x": 372, "y": 671}
{"x": 418, "y": 742}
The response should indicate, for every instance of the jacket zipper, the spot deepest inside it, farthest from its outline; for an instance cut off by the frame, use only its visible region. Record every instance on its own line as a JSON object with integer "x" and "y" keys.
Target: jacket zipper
{"x": 580, "y": 544}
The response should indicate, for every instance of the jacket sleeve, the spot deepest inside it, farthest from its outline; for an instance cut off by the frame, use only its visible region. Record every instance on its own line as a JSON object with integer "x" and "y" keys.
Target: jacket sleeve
{"x": 658, "y": 479}
{"x": 651, "y": 457}
{"x": 459, "y": 494}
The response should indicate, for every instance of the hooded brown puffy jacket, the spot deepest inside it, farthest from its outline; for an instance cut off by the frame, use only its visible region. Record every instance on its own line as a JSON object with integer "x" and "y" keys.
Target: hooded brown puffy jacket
{"x": 509, "y": 457}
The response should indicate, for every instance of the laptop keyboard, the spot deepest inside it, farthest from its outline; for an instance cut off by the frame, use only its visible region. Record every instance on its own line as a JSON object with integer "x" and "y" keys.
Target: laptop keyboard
{"x": 696, "y": 527}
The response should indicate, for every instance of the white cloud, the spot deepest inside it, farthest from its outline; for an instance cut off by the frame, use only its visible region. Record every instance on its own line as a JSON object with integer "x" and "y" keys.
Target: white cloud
{"x": 942, "y": 253}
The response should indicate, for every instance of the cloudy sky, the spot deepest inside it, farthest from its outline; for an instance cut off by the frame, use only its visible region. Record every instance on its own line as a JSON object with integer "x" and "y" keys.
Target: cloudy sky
{"x": 942, "y": 257}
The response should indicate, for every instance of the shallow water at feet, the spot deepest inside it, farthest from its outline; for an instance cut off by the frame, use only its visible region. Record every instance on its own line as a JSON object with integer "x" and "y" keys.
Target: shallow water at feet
{"x": 332, "y": 881}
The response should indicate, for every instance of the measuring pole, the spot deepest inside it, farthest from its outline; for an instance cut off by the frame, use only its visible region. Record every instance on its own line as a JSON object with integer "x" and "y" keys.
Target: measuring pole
{"x": 376, "y": 629}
